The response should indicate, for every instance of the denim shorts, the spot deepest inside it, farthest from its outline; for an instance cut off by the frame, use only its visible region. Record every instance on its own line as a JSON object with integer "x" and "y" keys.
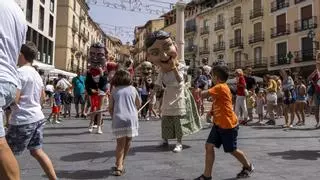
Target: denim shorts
{"x": 28, "y": 136}
{"x": 225, "y": 137}
{"x": 7, "y": 96}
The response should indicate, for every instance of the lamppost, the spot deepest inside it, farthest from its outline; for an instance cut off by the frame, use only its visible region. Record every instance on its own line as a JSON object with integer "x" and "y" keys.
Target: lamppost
{"x": 180, "y": 6}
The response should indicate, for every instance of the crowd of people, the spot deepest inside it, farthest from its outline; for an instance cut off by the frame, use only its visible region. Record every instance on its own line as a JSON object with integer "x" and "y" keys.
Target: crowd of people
{"x": 108, "y": 86}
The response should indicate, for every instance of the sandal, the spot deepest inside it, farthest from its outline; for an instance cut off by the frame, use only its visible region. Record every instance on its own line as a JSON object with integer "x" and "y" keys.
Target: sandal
{"x": 202, "y": 177}
{"x": 118, "y": 172}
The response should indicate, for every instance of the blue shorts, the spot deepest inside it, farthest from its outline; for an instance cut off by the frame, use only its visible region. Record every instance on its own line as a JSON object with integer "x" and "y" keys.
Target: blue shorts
{"x": 7, "y": 96}
{"x": 225, "y": 137}
{"x": 28, "y": 136}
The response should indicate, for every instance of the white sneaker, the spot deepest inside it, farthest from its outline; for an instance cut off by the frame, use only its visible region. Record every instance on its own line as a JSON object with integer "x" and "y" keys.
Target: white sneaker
{"x": 90, "y": 129}
{"x": 147, "y": 119}
{"x": 99, "y": 130}
{"x": 94, "y": 126}
{"x": 178, "y": 148}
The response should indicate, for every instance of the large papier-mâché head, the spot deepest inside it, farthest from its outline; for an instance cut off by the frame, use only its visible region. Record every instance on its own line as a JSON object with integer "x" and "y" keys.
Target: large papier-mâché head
{"x": 161, "y": 49}
{"x": 97, "y": 55}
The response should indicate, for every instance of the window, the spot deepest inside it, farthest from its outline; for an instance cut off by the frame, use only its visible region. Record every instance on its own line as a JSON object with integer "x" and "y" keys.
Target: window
{"x": 281, "y": 23}
{"x": 220, "y": 18}
{"x": 237, "y": 59}
{"x": 41, "y": 18}
{"x": 220, "y": 38}
{"x": 306, "y": 17}
{"x": 282, "y": 53}
{"x": 52, "y": 5}
{"x": 74, "y": 5}
{"x": 257, "y": 27}
{"x": 205, "y": 43}
{"x": 237, "y": 12}
{"x": 258, "y": 55}
{"x": 307, "y": 48}
{"x": 51, "y": 26}
{"x": 43, "y": 1}
{"x": 29, "y": 10}
{"x": 257, "y": 4}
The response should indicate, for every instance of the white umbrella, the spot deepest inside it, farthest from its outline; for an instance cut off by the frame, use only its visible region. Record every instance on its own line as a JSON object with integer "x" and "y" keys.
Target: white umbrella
{"x": 234, "y": 80}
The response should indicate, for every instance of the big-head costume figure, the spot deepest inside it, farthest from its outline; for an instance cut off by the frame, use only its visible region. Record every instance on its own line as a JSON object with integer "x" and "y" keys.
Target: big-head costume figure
{"x": 96, "y": 82}
{"x": 179, "y": 112}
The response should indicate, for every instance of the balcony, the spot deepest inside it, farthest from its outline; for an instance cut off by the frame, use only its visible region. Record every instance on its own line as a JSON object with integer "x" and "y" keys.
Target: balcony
{"x": 237, "y": 42}
{"x": 236, "y": 20}
{"x": 306, "y": 24}
{"x": 280, "y": 31}
{"x": 254, "y": 13}
{"x": 278, "y": 60}
{"x": 204, "y": 30}
{"x": 305, "y": 55}
{"x": 219, "y": 25}
{"x": 75, "y": 27}
{"x": 220, "y": 46}
{"x": 256, "y": 37}
{"x": 204, "y": 50}
{"x": 190, "y": 29}
{"x": 298, "y": 1}
{"x": 277, "y": 5}
{"x": 260, "y": 63}
{"x": 191, "y": 49}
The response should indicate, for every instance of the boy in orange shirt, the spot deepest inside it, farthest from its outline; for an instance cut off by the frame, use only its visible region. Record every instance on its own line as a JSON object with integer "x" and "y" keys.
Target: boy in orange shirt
{"x": 225, "y": 125}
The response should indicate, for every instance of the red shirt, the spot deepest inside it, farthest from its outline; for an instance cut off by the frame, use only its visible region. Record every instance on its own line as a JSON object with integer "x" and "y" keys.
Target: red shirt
{"x": 240, "y": 90}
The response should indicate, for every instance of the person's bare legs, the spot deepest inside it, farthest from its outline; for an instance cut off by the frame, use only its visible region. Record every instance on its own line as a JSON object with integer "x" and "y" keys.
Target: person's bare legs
{"x": 45, "y": 163}
{"x": 297, "y": 111}
{"x": 302, "y": 112}
{"x": 120, "y": 151}
{"x": 126, "y": 148}
{"x": 210, "y": 156}
{"x": 241, "y": 157}
{"x": 292, "y": 112}
{"x": 9, "y": 168}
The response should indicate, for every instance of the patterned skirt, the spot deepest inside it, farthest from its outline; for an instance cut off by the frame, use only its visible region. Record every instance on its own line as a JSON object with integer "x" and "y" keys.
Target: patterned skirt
{"x": 173, "y": 127}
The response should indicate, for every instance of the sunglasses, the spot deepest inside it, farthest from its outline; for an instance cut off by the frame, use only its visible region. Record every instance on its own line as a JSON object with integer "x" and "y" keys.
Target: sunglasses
{"x": 157, "y": 35}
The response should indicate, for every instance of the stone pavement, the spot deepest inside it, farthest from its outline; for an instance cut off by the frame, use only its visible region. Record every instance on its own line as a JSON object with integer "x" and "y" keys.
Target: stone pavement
{"x": 76, "y": 154}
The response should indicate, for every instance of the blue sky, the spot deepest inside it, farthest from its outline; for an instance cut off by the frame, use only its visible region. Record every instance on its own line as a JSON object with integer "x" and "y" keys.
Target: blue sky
{"x": 109, "y": 18}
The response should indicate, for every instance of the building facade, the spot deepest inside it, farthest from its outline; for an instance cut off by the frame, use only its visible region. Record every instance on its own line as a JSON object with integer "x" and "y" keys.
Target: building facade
{"x": 41, "y": 19}
{"x": 76, "y": 31}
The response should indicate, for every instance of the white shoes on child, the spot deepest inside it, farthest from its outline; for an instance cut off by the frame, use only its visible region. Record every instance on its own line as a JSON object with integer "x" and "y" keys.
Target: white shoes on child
{"x": 178, "y": 148}
{"x": 99, "y": 131}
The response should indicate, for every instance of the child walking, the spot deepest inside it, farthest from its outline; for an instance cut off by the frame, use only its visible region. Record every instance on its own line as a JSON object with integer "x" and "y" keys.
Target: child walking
{"x": 123, "y": 107}
{"x": 27, "y": 123}
{"x": 260, "y": 103}
{"x": 251, "y": 103}
{"x": 67, "y": 102}
{"x": 225, "y": 125}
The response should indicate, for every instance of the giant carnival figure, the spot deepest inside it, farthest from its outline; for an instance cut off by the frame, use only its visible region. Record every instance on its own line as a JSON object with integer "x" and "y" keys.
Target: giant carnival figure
{"x": 96, "y": 82}
{"x": 179, "y": 112}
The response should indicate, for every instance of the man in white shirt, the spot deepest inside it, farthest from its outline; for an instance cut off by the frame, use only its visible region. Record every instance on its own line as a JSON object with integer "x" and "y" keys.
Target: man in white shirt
{"x": 13, "y": 30}
{"x": 27, "y": 122}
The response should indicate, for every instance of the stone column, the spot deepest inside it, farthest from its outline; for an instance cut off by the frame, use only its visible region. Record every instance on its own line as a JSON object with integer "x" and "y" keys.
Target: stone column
{"x": 180, "y": 6}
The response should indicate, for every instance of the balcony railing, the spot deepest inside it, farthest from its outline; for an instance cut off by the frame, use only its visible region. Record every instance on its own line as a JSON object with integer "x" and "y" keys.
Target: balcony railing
{"x": 220, "y": 46}
{"x": 280, "y": 30}
{"x": 190, "y": 29}
{"x": 254, "y": 13}
{"x": 190, "y": 49}
{"x": 305, "y": 24}
{"x": 237, "y": 42}
{"x": 204, "y": 30}
{"x": 236, "y": 20}
{"x": 278, "y": 4}
{"x": 75, "y": 27}
{"x": 204, "y": 50}
{"x": 219, "y": 25}
{"x": 280, "y": 59}
{"x": 305, "y": 55}
{"x": 298, "y": 1}
{"x": 256, "y": 37}
{"x": 260, "y": 62}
